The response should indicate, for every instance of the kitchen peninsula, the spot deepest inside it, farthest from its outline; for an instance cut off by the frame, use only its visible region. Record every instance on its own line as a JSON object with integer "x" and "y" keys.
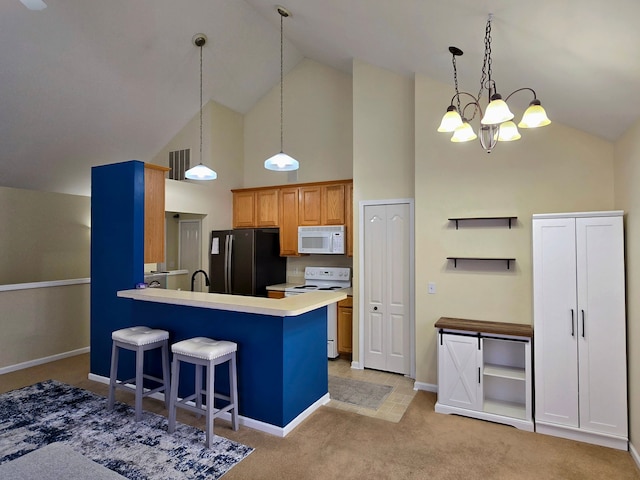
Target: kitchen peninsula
{"x": 282, "y": 343}
{"x": 282, "y": 352}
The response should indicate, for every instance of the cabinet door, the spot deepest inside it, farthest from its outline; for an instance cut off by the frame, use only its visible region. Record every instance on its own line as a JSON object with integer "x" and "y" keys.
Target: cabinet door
{"x": 601, "y": 327}
{"x": 267, "y": 208}
{"x": 309, "y": 204}
{"x": 289, "y": 221}
{"x": 555, "y": 321}
{"x": 154, "y": 213}
{"x": 244, "y": 209}
{"x": 459, "y": 360}
{"x": 345, "y": 325}
{"x": 332, "y": 204}
{"x": 348, "y": 211}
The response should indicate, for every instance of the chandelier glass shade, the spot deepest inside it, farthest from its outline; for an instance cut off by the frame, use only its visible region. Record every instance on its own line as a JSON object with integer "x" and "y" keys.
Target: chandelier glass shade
{"x": 200, "y": 171}
{"x": 281, "y": 162}
{"x": 496, "y": 123}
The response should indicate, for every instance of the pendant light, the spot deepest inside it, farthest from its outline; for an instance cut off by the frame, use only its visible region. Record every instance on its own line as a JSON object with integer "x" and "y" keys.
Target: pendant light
{"x": 281, "y": 162}
{"x": 496, "y": 124}
{"x": 200, "y": 171}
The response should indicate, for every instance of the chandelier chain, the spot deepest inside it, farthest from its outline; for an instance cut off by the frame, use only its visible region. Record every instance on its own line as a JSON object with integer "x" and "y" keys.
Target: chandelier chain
{"x": 455, "y": 81}
{"x": 201, "y": 103}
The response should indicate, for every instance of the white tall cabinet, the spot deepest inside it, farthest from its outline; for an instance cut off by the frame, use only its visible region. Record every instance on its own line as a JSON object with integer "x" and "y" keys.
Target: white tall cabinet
{"x": 579, "y": 324}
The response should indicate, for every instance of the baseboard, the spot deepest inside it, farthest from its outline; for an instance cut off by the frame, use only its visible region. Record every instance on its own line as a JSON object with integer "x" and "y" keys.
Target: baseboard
{"x": 246, "y": 421}
{"x": 522, "y": 424}
{"x": 427, "y": 387}
{"x": 634, "y": 454}
{"x": 602, "y": 439}
{"x": 356, "y": 365}
{"x": 40, "y": 361}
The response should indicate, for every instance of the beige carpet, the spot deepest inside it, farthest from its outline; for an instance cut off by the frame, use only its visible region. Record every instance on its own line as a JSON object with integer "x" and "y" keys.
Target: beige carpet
{"x": 424, "y": 445}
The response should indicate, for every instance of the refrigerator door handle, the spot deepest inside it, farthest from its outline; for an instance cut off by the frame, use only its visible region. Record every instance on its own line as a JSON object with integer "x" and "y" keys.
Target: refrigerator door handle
{"x": 229, "y": 256}
{"x": 226, "y": 263}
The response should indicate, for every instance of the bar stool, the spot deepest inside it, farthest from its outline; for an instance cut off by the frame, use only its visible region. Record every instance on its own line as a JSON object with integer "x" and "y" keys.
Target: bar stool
{"x": 140, "y": 340}
{"x": 204, "y": 352}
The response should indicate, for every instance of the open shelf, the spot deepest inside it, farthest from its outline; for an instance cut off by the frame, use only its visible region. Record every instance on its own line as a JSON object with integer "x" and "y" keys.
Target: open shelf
{"x": 507, "y": 409}
{"x": 459, "y": 219}
{"x": 455, "y": 260}
{"x": 501, "y": 371}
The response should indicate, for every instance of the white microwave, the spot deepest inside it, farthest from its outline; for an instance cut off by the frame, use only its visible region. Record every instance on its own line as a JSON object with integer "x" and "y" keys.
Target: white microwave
{"x": 325, "y": 239}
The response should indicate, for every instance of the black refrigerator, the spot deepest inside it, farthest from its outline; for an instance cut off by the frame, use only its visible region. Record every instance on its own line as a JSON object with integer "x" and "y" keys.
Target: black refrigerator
{"x": 245, "y": 261}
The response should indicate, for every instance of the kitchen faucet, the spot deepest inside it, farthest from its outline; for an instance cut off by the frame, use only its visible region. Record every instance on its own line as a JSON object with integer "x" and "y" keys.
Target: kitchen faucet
{"x": 193, "y": 278}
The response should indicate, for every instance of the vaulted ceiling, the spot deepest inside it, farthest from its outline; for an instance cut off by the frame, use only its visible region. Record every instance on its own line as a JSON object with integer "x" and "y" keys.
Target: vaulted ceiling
{"x": 88, "y": 82}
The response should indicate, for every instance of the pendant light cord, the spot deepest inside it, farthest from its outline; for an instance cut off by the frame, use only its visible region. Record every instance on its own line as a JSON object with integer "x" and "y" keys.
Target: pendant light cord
{"x": 281, "y": 87}
{"x": 200, "y": 103}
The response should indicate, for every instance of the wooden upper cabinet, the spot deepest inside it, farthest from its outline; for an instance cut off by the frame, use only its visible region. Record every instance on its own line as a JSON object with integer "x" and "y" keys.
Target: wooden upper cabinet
{"x": 310, "y": 201}
{"x": 289, "y": 221}
{"x": 267, "y": 208}
{"x": 332, "y": 204}
{"x": 348, "y": 212}
{"x": 154, "y": 213}
{"x": 244, "y": 209}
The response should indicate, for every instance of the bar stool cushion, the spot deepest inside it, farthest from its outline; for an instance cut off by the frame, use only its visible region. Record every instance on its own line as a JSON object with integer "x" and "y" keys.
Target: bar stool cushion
{"x": 139, "y": 335}
{"x": 204, "y": 348}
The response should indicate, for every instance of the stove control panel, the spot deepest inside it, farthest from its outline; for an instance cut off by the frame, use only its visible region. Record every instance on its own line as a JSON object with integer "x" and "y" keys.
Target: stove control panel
{"x": 328, "y": 273}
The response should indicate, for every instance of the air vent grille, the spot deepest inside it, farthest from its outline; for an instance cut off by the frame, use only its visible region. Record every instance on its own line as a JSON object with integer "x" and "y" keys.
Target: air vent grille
{"x": 179, "y": 163}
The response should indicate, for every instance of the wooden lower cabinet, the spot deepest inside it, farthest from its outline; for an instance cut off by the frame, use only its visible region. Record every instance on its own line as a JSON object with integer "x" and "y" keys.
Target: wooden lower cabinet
{"x": 275, "y": 294}
{"x": 345, "y": 325}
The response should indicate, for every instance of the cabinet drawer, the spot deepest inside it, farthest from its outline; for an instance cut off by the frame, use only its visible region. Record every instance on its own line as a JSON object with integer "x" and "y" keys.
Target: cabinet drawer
{"x": 346, "y": 303}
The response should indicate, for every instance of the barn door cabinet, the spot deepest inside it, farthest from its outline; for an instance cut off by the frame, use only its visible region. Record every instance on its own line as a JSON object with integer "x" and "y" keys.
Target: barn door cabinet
{"x": 579, "y": 321}
{"x": 484, "y": 371}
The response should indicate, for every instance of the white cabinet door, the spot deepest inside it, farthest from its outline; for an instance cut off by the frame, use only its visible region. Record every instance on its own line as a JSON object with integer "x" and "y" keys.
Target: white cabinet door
{"x": 555, "y": 321}
{"x": 601, "y": 340}
{"x": 459, "y": 361}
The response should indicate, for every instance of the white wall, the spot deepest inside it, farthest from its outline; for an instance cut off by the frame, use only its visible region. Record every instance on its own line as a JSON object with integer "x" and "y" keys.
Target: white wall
{"x": 42, "y": 322}
{"x": 44, "y": 236}
{"x": 383, "y": 148}
{"x": 627, "y": 179}
{"x": 552, "y": 169}
{"x": 317, "y": 127}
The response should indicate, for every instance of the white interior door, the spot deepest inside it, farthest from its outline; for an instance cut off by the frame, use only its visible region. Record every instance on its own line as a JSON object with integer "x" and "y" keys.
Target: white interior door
{"x": 387, "y": 287}
{"x": 190, "y": 251}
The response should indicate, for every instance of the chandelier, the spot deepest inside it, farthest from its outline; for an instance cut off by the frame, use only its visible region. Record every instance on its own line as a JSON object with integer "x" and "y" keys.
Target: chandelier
{"x": 496, "y": 123}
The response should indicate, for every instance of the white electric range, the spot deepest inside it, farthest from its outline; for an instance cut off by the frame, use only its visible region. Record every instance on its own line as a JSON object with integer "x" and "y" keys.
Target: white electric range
{"x": 325, "y": 278}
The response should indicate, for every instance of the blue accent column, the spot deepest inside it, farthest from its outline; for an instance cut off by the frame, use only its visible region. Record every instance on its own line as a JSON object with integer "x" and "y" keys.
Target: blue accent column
{"x": 117, "y": 252}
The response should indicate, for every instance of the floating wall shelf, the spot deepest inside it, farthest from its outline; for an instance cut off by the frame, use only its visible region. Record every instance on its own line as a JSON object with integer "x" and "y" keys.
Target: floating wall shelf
{"x": 458, "y": 219}
{"x": 455, "y": 260}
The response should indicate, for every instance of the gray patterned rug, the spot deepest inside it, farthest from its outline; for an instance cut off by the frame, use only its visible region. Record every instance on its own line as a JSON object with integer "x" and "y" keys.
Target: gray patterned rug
{"x": 356, "y": 392}
{"x": 48, "y": 412}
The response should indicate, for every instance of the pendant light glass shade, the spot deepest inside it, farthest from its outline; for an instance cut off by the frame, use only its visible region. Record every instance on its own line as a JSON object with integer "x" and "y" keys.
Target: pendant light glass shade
{"x": 450, "y": 121}
{"x": 508, "y": 132}
{"x": 200, "y": 172}
{"x": 281, "y": 162}
{"x": 464, "y": 133}
{"x": 534, "y": 116}
{"x": 497, "y": 112}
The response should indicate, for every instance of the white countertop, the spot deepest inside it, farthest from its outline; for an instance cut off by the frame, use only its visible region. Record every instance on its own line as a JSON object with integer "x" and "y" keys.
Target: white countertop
{"x": 279, "y": 307}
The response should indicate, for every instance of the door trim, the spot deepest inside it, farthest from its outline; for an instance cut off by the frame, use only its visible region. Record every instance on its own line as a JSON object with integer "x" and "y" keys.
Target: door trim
{"x": 412, "y": 321}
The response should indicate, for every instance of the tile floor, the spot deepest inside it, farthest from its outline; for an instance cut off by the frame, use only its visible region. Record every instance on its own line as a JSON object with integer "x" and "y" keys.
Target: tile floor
{"x": 396, "y": 403}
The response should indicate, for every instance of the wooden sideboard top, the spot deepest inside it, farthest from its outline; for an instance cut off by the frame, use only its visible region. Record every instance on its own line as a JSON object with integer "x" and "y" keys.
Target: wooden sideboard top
{"x": 481, "y": 326}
